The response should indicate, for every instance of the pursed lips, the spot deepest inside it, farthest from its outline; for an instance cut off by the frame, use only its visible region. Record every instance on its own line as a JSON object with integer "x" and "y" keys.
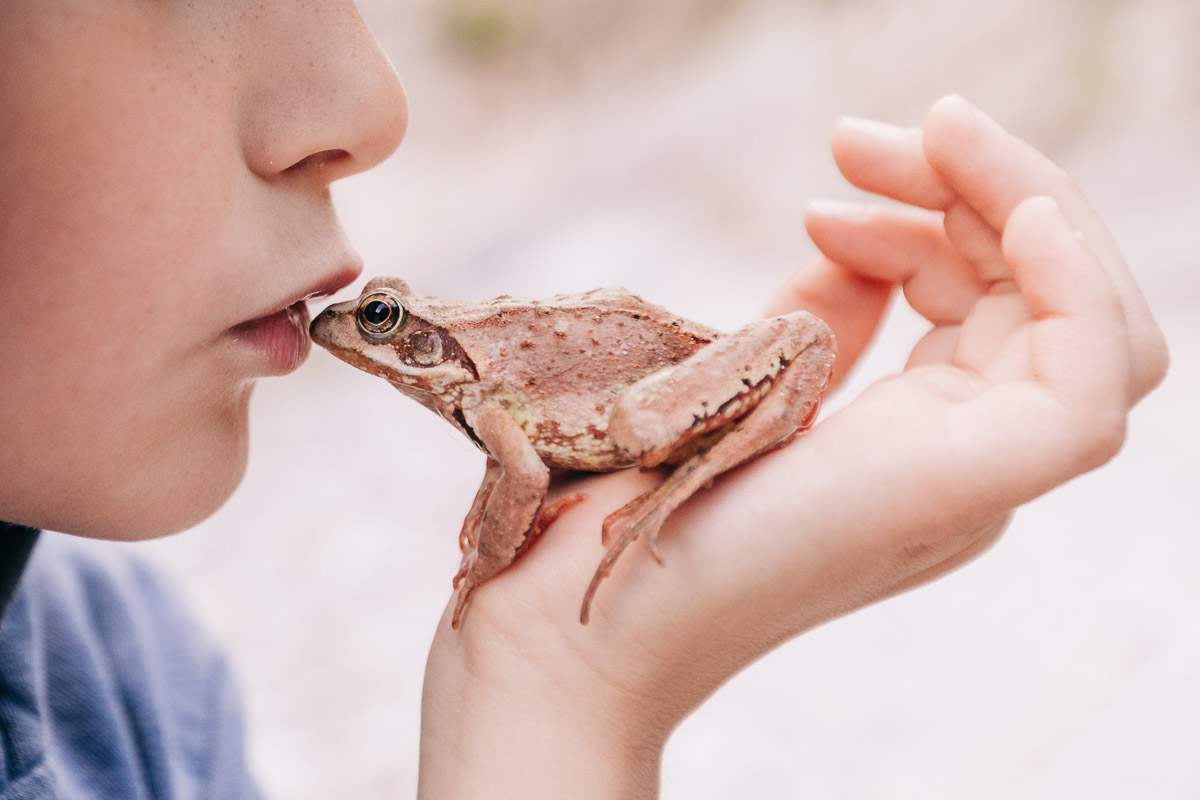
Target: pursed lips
{"x": 280, "y": 337}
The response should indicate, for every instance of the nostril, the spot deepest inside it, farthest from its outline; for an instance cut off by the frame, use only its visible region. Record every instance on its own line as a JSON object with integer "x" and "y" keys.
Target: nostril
{"x": 319, "y": 160}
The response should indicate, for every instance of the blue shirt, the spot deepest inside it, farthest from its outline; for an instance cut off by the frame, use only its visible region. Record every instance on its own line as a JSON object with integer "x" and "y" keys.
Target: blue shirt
{"x": 107, "y": 687}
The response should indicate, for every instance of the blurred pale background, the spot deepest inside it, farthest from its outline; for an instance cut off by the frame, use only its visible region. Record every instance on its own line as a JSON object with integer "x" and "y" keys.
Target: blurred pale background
{"x": 670, "y": 147}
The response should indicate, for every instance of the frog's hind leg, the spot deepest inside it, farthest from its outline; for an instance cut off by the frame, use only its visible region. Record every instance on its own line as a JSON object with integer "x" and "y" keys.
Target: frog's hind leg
{"x": 769, "y": 411}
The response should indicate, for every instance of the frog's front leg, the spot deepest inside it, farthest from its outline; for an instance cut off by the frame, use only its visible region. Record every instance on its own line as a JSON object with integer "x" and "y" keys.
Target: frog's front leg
{"x": 506, "y": 505}
{"x": 508, "y": 513}
{"x": 740, "y": 396}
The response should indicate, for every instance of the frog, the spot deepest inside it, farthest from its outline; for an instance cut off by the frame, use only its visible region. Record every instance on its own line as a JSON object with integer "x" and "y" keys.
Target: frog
{"x": 593, "y": 381}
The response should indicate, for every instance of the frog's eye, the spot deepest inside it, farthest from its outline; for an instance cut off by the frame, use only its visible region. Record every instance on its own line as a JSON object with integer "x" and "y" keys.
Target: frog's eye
{"x": 380, "y": 315}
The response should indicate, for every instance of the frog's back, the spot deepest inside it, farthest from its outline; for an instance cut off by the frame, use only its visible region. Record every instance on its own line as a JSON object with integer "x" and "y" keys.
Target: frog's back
{"x": 567, "y": 358}
{"x": 461, "y": 316}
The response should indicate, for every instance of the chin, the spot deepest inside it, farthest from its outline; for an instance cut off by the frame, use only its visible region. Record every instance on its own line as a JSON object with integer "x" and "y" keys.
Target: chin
{"x": 203, "y": 473}
{"x": 181, "y": 479}
{"x": 181, "y": 507}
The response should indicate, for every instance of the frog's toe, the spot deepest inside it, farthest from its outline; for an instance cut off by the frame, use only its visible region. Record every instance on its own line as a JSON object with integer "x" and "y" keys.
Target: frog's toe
{"x": 622, "y": 528}
{"x": 466, "y": 581}
{"x": 625, "y": 516}
{"x": 468, "y": 537}
{"x": 548, "y": 515}
{"x": 605, "y": 569}
{"x": 652, "y": 546}
{"x": 464, "y": 595}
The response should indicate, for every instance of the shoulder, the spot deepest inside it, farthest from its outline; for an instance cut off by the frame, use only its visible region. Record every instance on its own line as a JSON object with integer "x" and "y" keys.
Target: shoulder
{"x": 104, "y": 675}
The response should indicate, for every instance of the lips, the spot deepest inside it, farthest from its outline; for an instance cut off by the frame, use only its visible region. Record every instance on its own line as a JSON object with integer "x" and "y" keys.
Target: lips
{"x": 281, "y": 339}
{"x": 275, "y": 341}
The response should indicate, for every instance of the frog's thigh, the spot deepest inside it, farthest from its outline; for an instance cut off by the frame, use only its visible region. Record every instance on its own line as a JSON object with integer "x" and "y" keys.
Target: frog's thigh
{"x": 787, "y": 404}
{"x": 515, "y": 497}
{"x": 659, "y": 415}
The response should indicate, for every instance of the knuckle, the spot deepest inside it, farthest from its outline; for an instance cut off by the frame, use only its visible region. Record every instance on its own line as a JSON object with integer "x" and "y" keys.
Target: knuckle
{"x": 923, "y": 550}
{"x": 928, "y": 549}
{"x": 928, "y": 546}
{"x": 1098, "y": 437}
{"x": 1155, "y": 360}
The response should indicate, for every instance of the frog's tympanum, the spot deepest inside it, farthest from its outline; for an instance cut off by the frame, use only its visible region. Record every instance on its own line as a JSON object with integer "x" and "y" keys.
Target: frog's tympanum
{"x": 597, "y": 381}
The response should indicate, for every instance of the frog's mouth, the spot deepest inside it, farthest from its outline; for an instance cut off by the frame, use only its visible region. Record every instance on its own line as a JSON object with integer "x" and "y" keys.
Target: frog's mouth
{"x": 325, "y": 323}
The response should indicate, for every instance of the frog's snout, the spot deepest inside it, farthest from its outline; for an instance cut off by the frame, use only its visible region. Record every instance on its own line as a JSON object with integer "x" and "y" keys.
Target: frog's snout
{"x": 321, "y": 323}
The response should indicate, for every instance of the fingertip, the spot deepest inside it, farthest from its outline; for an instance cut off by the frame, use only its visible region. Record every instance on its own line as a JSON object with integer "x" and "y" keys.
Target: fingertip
{"x": 987, "y": 166}
{"x": 954, "y": 131}
{"x": 1031, "y": 224}
{"x": 942, "y": 128}
{"x": 840, "y": 210}
{"x": 887, "y": 159}
{"x": 871, "y": 129}
{"x": 1036, "y": 207}
{"x": 952, "y": 104}
{"x": 953, "y": 111}
{"x": 826, "y": 220}
{"x": 1052, "y": 263}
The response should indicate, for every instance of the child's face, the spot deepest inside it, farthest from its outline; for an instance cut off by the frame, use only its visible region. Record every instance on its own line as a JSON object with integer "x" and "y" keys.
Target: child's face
{"x": 164, "y": 211}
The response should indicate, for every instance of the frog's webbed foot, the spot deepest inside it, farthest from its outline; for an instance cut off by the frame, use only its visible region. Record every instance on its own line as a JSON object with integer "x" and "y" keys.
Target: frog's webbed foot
{"x": 675, "y": 417}
{"x": 639, "y": 517}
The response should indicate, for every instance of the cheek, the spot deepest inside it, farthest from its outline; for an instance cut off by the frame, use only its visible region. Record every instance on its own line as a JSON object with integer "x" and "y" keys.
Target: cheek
{"x": 125, "y": 216}
{"x": 114, "y": 396}
{"x": 131, "y": 464}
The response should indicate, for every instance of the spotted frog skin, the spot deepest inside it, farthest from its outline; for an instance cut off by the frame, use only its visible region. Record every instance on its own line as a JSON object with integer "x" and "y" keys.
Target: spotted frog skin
{"x": 596, "y": 381}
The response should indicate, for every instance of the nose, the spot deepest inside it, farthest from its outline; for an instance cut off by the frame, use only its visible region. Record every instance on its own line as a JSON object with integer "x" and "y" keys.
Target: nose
{"x": 323, "y": 99}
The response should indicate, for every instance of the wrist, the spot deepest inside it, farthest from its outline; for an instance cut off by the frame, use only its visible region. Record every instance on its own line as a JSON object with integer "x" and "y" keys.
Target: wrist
{"x": 494, "y": 724}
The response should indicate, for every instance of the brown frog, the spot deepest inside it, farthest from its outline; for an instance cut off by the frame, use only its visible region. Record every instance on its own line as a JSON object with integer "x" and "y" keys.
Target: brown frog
{"x": 597, "y": 381}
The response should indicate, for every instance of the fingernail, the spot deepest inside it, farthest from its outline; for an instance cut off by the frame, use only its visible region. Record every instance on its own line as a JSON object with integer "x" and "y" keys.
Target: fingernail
{"x": 967, "y": 106}
{"x": 1049, "y": 207}
{"x": 839, "y": 209}
{"x": 1044, "y": 203}
{"x": 874, "y": 128}
{"x": 1042, "y": 209}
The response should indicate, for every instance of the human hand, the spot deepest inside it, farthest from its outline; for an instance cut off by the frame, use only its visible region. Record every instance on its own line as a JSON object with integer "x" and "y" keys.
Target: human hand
{"x": 1041, "y": 343}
